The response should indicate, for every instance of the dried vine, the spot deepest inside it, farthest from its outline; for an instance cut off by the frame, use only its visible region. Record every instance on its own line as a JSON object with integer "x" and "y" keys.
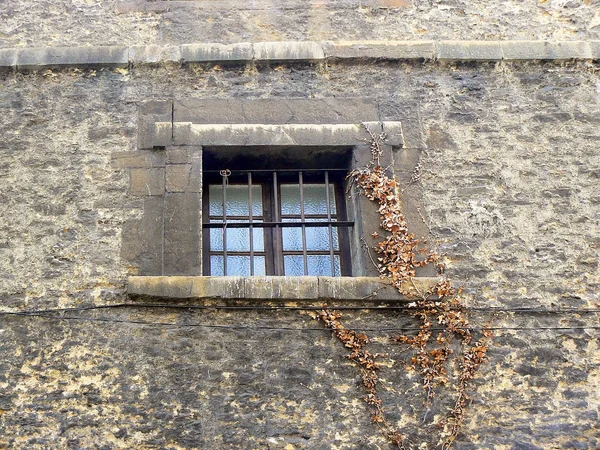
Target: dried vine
{"x": 400, "y": 254}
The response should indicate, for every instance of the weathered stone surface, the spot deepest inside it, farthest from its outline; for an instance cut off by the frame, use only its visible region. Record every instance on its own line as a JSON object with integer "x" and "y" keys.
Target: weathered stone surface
{"x": 8, "y": 58}
{"x": 277, "y": 135}
{"x": 40, "y": 58}
{"x": 288, "y": 51}
{"x": 182, "y": 154}
{"x": 276, "y": 111}
{"x": 380, "y": 50}
{"x": 182, "y": 234}
{"x": 149, "y": 134}
{"x": 468, "y": 51}
{"x": 216, "y": 52}
{"x": 274, "y": 288}
{"x": 147, "y": 182}
{"x": 138, "y": 159}
{"x": 510, "y": 194}
{"x": 142, "y": 246}
{"x": 286, "y": 288}
{"x": 152, "y": 54}
{"x": 545, "y": 50}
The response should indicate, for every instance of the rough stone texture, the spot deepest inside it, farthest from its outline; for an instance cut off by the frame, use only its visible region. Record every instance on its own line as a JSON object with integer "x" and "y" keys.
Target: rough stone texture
{"x": 510, "y": 175}
{"x": 273, "y": 288}
{"x": 380, "y": 50}
{"x": 97, "y": 56}
{"x": 40, "y": 23}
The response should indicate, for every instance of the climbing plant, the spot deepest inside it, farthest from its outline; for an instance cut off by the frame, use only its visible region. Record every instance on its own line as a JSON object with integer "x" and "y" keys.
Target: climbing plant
{"x": 399, "y": 254}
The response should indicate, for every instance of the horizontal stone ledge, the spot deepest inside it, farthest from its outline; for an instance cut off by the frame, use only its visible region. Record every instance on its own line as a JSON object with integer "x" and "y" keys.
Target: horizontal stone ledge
{"x": 273, "y": 288}
{"x": 298, "y": 51}
{"x": 285, "y": 134}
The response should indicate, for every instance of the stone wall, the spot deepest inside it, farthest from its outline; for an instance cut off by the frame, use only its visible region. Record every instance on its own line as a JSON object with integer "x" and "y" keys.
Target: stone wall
{"x": 38, "y": 23}
{"x": 510, "y": 174}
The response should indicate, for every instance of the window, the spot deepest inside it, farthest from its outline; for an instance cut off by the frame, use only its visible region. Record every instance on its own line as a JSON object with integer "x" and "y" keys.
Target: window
{"x": 288, "y": 219}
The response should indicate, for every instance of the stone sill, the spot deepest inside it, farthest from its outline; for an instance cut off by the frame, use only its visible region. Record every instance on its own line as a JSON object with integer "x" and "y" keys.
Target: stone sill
{"x": 274, "y": 288}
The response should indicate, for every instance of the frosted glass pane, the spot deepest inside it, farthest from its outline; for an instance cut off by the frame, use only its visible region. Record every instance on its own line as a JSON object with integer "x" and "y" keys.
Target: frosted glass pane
{"x": 315, "y": 199}
{"x": 237, "y": 200}
{"x": 320, "y": 265}
{"x": 216, "y": 266}
{"x": 216, "y": 239}
{"x": 293, "y": 266}
{"x": 238, "y": 239}
{"x": 215, "y": 195}
{"x": 290, "y": 199}
{"x": 237, "y": 266}
{"x": 318, "y": 238}
{"x": 292, "y": 239}
{"x": 259, "y": 266}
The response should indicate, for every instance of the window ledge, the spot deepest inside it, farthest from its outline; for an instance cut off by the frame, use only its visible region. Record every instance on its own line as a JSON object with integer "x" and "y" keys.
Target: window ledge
{"x": 273, "y": 288}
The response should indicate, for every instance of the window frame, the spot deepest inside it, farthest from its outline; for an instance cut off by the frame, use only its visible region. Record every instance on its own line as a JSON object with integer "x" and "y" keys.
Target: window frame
{"x": 271, "y": 181}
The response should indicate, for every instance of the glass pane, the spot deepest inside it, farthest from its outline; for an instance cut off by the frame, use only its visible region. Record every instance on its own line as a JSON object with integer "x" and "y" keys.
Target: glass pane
{"x": 292, "y": 239}
{"x": 237, "y": 200}
{"x": 259, "y": 266}
{"x": 215, "y": 195}
{"x": 237, "y": 265}
{"x": 238, "y": 239}
{"x": 290, "y": 199}
{"x": 320, "y": 265}
{"x": 293, "y": 265}
{"x": 318, "y": 238}
{"x": 216, "y": 266}
{"x": 315, "y": 199}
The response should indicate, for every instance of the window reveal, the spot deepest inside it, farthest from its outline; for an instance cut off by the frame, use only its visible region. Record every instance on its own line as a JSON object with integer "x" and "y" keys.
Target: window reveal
{"x": 275, "y": 222}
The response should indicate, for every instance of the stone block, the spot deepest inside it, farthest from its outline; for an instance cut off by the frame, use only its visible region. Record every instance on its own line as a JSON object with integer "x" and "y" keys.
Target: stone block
{"x": 147, "y": 182}
{"x": 527, "y": 50}
{"x": 160, "y": 109}
{"x": 468, "y": 51}
{"x": 219, "y": 287}
{"x": 138, "y": 159}
{"x": 386, "y": 50}
{"x": 183, "y": 154}
{"x": 161, "y": 287}
{"x": 183, "y": 178}
{"x": 182, "y": 234}
{"x": 394, "y": 133}
{"x": 153, "y": 54}
{"x": 333, "y": 110}
{"x": 142, "y": 239}
{"x": 276, "y": 111}
{"x": 356, "y": 288}
{"x": 163, "y": 134}
{"x": 288, "y": 51}
{"x": 259, "y": 134}
{"x": 223, "y": 53}
{"x": 182, "y": 134}
{"x": 8, "y": 57}
{"x": 40, "y": 58}
{"x": 149, "y": 133}
{"x": 274, "y": 288}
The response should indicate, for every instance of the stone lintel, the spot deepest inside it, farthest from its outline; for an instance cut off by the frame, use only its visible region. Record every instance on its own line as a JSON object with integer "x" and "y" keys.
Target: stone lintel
{"x": 273, "y": 288}
{"x": 291, "y": 134}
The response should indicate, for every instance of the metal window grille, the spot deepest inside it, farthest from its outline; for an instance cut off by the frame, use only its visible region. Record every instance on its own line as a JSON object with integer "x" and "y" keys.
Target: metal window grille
{"x": 275, "y": 222}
